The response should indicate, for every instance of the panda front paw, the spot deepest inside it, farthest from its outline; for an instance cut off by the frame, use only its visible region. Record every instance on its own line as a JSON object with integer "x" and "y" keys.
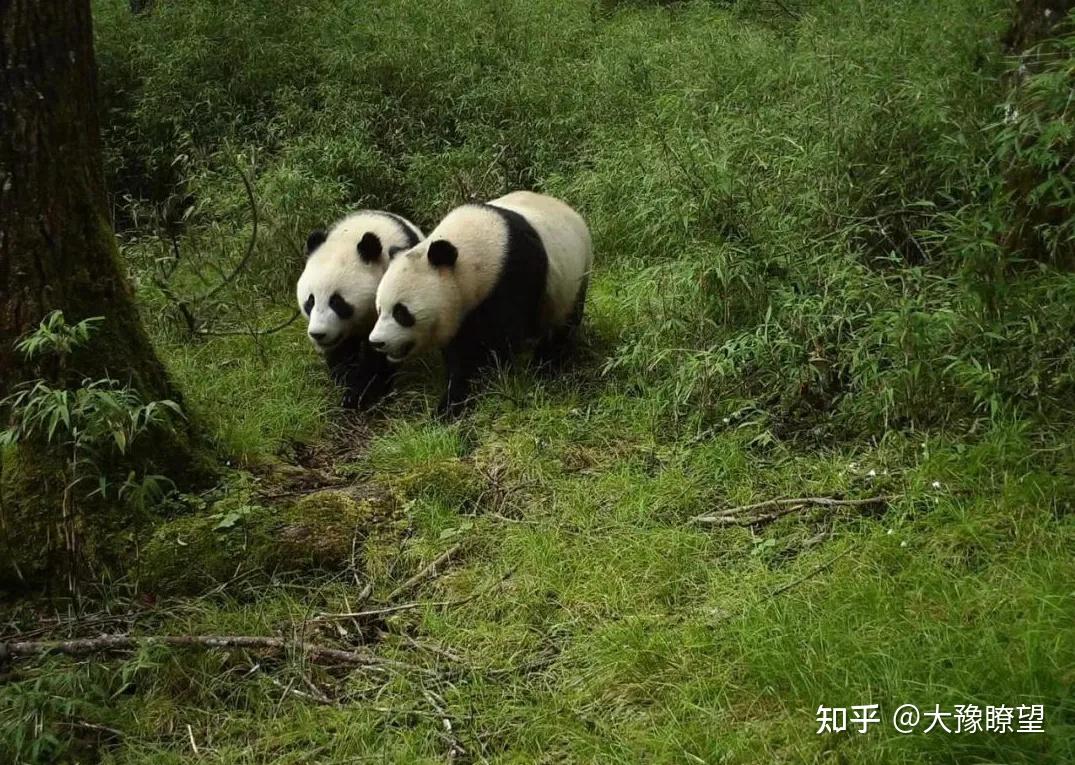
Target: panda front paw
{"x": 367, "y": 396}
{"x": 351, "y": 400}
{"x": 450, "y": 408}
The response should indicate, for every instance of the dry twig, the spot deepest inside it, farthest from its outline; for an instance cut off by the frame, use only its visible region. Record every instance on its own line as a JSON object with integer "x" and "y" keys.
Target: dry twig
{"x": 408, "y": 585}
{"x": 808, "y": 575}
{"x": 750, "y": 515}
{"x": 410, "y": 606}
{"x": 105, "y": 643}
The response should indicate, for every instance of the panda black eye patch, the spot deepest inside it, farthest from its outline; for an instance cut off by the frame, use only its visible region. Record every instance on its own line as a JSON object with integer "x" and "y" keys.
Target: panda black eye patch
{"x": 342, "y": 308}
{"x": 403, "y": 316}
{"x": 309, "y": 304}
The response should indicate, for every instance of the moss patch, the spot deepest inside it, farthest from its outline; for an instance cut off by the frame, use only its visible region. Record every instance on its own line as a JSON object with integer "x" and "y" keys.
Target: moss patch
{"x": 322, "y": 531}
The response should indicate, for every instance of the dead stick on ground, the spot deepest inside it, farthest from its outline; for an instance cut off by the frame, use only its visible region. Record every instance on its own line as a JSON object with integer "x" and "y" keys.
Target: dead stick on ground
{"x": 778, "y": 507}
{"x": 319, "y": 697}
{"x": 426, "y": 570}
{"x": 455, "y": 748}
{"x": 809, "y": 575}
{"x": 84, "y": 646}
{"x": 410, "y": 606}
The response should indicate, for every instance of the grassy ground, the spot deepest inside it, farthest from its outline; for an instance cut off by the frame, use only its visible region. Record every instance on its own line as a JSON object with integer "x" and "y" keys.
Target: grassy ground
{"x": 814, "y": 277}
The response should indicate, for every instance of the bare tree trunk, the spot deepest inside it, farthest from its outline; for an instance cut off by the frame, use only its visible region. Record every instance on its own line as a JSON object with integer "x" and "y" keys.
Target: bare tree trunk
{"x": 1034, "y": 21}
{"x": 57, "y": 248}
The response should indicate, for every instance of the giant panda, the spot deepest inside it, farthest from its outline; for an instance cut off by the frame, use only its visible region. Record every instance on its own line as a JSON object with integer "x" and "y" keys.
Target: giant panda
{"x": 489, "y": 277}
{"x": 336, "y": 294}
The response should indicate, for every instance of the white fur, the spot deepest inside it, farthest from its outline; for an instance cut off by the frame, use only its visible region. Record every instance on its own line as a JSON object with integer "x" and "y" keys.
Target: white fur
{"x": 440, "y": 298}
{"x": 336, "y": 267}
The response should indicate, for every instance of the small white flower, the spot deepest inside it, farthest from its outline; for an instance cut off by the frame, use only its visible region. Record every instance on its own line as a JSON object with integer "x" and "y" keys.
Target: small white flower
{"x": 936, "y": 484}
{"x": 727, "y": 420}
{"x": 1048, "y": 13}
{"x": 903, "y": 543}
{"x": 890, "y": 532}
{"x": 872, "y": 473}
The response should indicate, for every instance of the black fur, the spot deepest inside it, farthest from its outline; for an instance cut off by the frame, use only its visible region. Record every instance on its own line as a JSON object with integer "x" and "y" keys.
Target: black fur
{"x": 442, "y": 254}
{"x": 365, "y": 374}
{"x": 550, "y": 351}
{"x": 402, "y": 316}
{"x": 405, "y": 227}
{"x": 507, "y": 317}
{"x": 316, "y": 238}
{"x": 342, "y": 308}
{"x": 369, "y": 247}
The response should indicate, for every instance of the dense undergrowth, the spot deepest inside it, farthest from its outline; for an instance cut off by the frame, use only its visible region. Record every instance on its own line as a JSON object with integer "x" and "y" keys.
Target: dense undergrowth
{"x": 834, "y": 252}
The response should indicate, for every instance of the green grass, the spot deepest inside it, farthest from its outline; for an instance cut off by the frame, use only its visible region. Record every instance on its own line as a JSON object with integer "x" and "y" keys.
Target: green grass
{"x": 827, "y": 265}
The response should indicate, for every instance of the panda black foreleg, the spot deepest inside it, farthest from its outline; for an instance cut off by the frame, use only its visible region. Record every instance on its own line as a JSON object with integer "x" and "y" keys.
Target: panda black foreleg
{"x": 364, "y": 374}
{"x": 373, "y": 379}
{"x": 461, "y": 363}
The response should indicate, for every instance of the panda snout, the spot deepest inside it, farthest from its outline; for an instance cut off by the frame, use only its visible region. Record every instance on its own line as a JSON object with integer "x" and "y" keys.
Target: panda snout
{"x": 378, "y": 344}
{"x": 322, "y": 340}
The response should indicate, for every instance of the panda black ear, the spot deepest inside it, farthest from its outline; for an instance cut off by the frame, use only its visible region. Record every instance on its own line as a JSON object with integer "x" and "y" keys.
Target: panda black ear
{"x": 369, "y": 248}
{"x": 314, "y": 240}
{"x": 442, "y": 254}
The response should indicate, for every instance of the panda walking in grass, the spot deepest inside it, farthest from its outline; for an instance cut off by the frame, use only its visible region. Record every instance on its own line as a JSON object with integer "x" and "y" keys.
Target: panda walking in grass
{"x": 336, "y": 293}
{"x": 487, "y": 279}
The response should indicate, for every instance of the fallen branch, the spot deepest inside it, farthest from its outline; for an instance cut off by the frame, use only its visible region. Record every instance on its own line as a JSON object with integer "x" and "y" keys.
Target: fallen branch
{"x": 741, "y": 516}
{"x": 105, "y": 643}
{"x": 390, "y": 610}
{"x": 316, "y": 696}
{"x": 455, "y": 748}
{"x": 410, "y": 606}
{"x": 408, "y": 585}
{"x": 100, "y": 729}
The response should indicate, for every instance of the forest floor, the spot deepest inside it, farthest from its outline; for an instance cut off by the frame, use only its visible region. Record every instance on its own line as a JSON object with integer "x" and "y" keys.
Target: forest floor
{"x": 539, "y": 588}
{"x": 814, "y": 450}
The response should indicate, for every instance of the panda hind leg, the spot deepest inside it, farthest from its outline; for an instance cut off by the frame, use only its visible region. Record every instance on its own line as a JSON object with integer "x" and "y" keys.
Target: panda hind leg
{"x": 556, "y": 345}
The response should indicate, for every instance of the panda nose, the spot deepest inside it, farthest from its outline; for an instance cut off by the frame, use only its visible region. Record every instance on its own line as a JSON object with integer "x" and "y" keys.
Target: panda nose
{"x": 317, "y": 336}
{"x": 378, "y": 344}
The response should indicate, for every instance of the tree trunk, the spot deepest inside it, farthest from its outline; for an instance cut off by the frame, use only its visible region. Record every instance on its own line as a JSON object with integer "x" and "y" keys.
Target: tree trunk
{"x": 57, "y": 248}
{"x": 1034, "y": 21}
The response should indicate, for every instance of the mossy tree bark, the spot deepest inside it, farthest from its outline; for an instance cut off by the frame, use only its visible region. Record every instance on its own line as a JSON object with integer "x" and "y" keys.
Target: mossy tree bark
{"x": 57, "y": 248}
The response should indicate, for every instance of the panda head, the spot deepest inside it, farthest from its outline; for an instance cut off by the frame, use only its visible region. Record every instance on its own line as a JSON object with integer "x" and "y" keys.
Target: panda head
{"x": 337, "y": 288}
{"x": 419, "y": 300}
